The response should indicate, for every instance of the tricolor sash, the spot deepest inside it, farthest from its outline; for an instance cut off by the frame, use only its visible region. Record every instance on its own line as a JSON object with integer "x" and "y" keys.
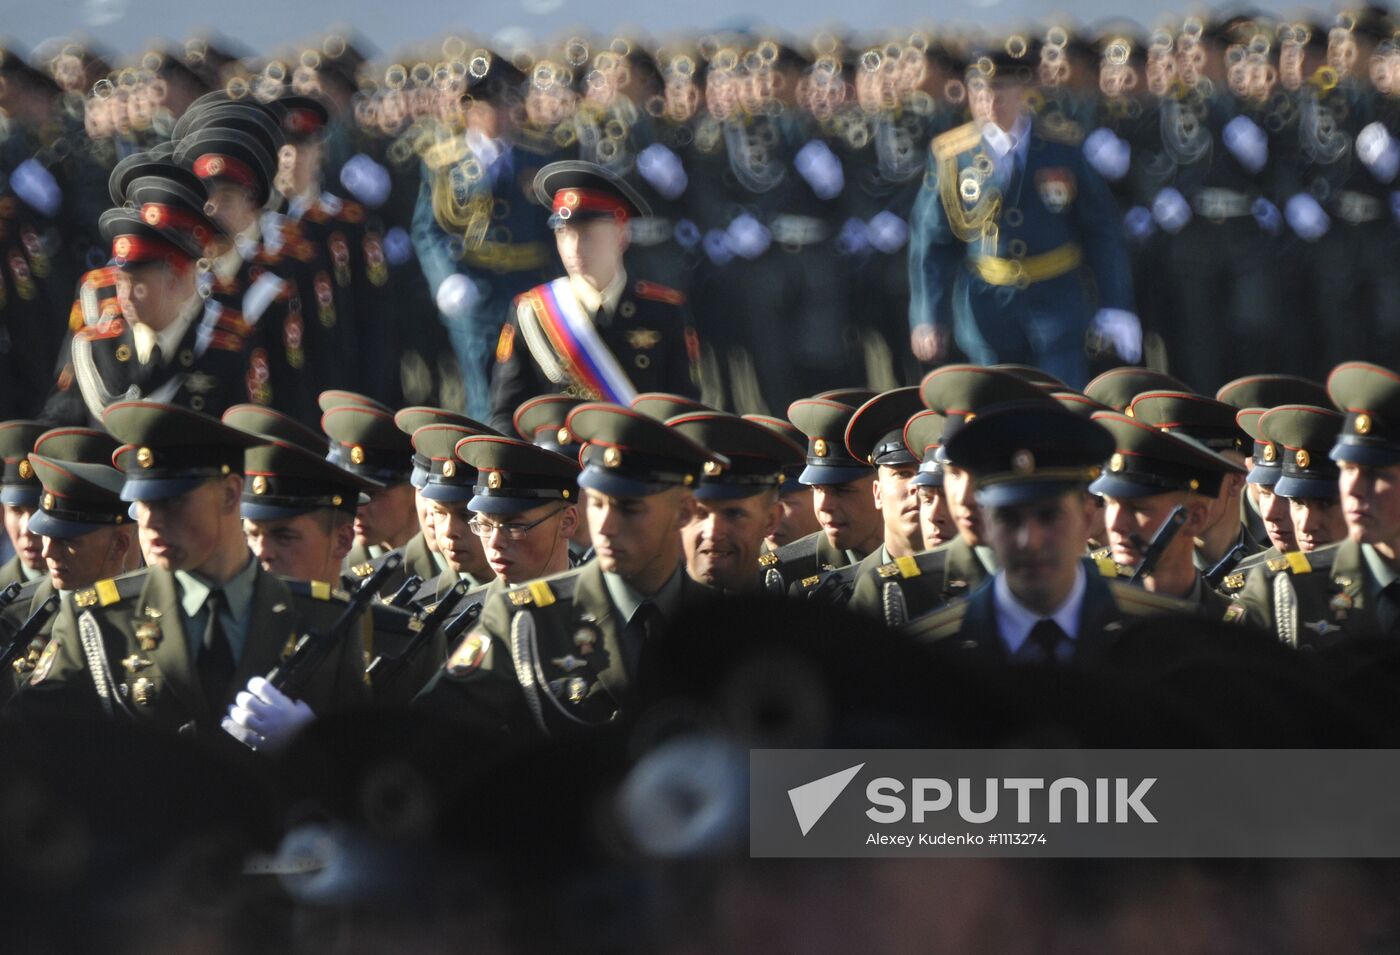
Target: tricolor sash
{"x": 564, "y": 342}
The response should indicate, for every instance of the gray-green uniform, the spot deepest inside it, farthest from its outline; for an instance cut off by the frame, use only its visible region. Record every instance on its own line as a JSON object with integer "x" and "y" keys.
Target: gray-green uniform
{"x": 18, "y": 486}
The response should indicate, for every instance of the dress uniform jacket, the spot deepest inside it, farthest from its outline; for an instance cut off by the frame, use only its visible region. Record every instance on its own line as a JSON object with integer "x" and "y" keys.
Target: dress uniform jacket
{"x": 1314, "y": 600}
{"x": 417, "y": 562}
{"x": 11, "y": 620}
{"x": 649, "y": 333}
{"x": 804, "y": 559}
{"x": 902, "y": 590}
{"x": 151, "y": 675}
{"x": 12, "y": 571}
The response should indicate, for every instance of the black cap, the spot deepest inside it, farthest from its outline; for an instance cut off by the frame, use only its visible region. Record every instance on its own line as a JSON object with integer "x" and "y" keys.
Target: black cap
{"x": 1148, "y": 461}
{"x": 756, "y": 453}
{"x": 663, "y": 406}
{"x": 264, "y": 422}
{"x": 163, "y": 217}
{"x": 19, "y": 486}
{"x": 961, "y": 392}
{"x": 1305, "y": 434}
{"x": 875, "y": 432}
{"x": 1370, "y": 397}
{"x": 627, "y": 454}
{"x": 159, "y": 160}
{"x": 541, "y": 421}
{"x": 1017, "y": 60}
{"x": 78, "y": 497}
{"x": 515, "y": 475}
{"x": 923, "y": 436}
{"x": 494, "y": 79}
{"x": 449, "y": 478}
{"x": 824, "y": 422}
{"x": 574, "y": 189}
{"x": 1209, "y": 421}
{"x": 287, "y": 480}
{"x": 1265, "y": 458}
{"x": 1117, "y": 387}
{"x": 365, "y": 441}
{"x": 247, "y": 116}
{"x": 303, "y": 118}
{"x": 1270, "y": 391}
{"x": 176, "y": 449}
{"x": 1017, "y": 454}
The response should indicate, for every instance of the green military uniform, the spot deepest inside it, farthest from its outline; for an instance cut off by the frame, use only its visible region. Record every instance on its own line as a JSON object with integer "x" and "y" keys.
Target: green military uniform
{"x": 896, "y": 591}
{"x": 565, "y": 653}
{"x": 19, "y": 487}
{"x": 1305, "y": 435}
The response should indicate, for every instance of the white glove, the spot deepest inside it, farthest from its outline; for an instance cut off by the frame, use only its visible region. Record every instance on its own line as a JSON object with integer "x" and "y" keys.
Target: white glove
{"x": 1138, "y": 224}
{"x": 716, "y": 246}
{"x": 1266, "y": 215}
{"x": 1122, "y": 328}
{"x": 1378, "y": 152}
{"x": 663, "y": 170}
{"x": 888, "y": 232}
{"x": 37, "y": 187}
{"x": 1107, "y": 153}
{"x": 398, "y": 247}
{"x": 264, "y": 718}
{"x": 748, "y": 237}
{"x": 819, "y": 166}
{"x": 1306, "y": 217}
{"x": 1171, "y": 210}
{"x": 854, "y": 237}
{"x": 456, "y": 296}
{"x": 1246, "y": 142}
{"x": 366, "y": 180}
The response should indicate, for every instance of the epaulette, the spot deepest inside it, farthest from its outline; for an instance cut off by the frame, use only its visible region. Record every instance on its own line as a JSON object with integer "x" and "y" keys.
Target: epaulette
{"x": 955, "y": 141}
{"x": 314, "y": 589}
{"x": 769, "y": 559}
{"x": 1132, "y": 597}
{"x": 904, "y": 567}
{"x": 96, "y": 333}
{"x": 798, "y": 549}
{"x": 1295, "y": 562}
{"x": 113, "y": 590}
{"x": 545, "y": 591}
{"x": 1232, "y": 582}
{"x": 659, "y": 293}
{"x": 946, "y": 621}
{"x": 363, "y": 570}
{"x": 1057, "y": 128}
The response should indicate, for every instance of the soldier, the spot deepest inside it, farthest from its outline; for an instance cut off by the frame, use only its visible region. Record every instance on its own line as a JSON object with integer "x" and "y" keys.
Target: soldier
{"x": 170, "y": 645}
{"x": 1117, "y": 387}
{"x": 450, "y": 486}
{"x": 841, "y": 500}
{"x": 1009, "y": 212}
{"x": 799, "y": 518}
{"x": 736, "y": 507}
{"x": 897, "y": 591}
{"x": 1309, "y": 477}
{"x": 923, "y": 436}
{"x": 1265, "y": 467}
{"x": 85, "y": 528}
{"x": 1045, "y": 604}
{"x": 20, "y": 492}
{"x": 596, "y": 332}
{"x": 1151, "y": 473}
{"x": 541, "y": 421}
{"x": 1085, "y": 407}
{"x": 1341, "y": 592}
{"x": 578, "y": 640}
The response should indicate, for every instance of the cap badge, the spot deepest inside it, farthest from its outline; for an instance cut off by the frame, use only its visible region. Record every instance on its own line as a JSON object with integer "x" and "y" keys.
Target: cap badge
{"x": 357, "y": 455}
{"x": 260, "y": 485}
{"x": 152, "y": 215}
{"x": 1303, "y": 458}
{"x": 214, "y": 166}
{"x": 564, "y": 436}
{"x": 1116, "y": 463}
{"x": 48, "y": 502}
{"x": 1363, "y": 424}
{"x": 1128, "y": 412}
{"x": 569, "y": 199}
{"x": 712, "y": 468}
{"x": 26, "y": 470}
{"x": 145, "y": 458}
{"x": 337, "y": 500}
{"x": 1270, "y": 452}
{"x": 122, "y": 247}
{"x": 493, "y": 480}
{"x": 819, "y": 447}
{"x": 449, "y": 468}
{"x": 1023, "y": 462}
{"x": 612, "y": 457}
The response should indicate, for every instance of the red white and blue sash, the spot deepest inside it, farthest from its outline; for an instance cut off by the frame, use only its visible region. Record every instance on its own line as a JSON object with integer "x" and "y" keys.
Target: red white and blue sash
{"x": 565, "y": 343}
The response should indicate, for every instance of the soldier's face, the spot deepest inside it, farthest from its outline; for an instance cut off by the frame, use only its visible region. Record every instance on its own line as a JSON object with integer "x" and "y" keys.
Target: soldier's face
{"x": 962, "y": 504}
{"x": 592, "y": 249}
{"x": 456, "y": 543}
{"x": 231, "y": 206}
{"x": 82, "y": 561}
{"x": 28, "y": 546}
{"x": 724, "y": 538}
{"x": 544, "y": 549}
{"x": 797, "y": 519}
{"x": 1371, "y": 502}
{"x": 935, "y": 518}
{"x": 305, "y": 547}
{"x": 1039, "y": 546}
{"x": 185, "y": 532}
{"x": 1133, "y": 522}
{"x": 848, "y": 515}
{"x": 390, "y": 517}
{"x": 635, "y": 537}
{"x": 425, "y": 520}
{"x": 898, "y": 502}
{"x": 1278, "y": 522}
{"x": 1317, "y": 522}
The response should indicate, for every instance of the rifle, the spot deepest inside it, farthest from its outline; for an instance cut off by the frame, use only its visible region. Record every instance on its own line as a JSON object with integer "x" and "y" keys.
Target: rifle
{"x": 292, "y": 674}
{"x": 1160, "y": 542}
{"x": 406, "y": 592}
{"x": 1216, "y": 574}
{"x": 454, "y": 627}
{"x": 31, "y": 629}
{"x": 383, "y": 670}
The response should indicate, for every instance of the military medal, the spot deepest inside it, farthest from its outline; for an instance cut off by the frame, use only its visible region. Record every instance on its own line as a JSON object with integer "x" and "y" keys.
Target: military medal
{"x": 585, "y": 637}
{"x": 148, "y": 635}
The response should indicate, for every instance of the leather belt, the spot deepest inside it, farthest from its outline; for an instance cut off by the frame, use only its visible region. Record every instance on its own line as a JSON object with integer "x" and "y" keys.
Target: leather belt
{"x": 995, "y": 270}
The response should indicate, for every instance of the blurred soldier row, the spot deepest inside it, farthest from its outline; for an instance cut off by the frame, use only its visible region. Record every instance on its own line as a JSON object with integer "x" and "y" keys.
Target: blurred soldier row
{"x": 1066, "y": 199}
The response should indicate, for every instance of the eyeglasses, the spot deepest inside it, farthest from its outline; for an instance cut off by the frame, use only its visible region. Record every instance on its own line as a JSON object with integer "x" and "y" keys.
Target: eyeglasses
{"x": 515, "y": 532}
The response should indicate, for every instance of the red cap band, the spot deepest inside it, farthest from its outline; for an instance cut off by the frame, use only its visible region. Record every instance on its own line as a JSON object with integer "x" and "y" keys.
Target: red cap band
{"x": 569, "y": 202}
{"x": 160, "y": 216}
{"x": 214, "y": 166}
{"x": 131, "y": 249}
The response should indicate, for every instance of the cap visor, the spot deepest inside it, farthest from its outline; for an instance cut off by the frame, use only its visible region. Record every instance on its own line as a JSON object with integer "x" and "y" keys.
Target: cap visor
{"x": 47, "y": 525}
{"x": 1267, "y": 477}
{"x": 259, "y": 511}
{"x": 158, "y": 489}
{"x": 1111, "y": 485}
{"x": 448, "y": 493}
{"x": 719, "y": 491}
{"x": 815, "y": 475}
{"x": 927, "y": 479}
{"x": 1316, "y": 488}
{"x": 1024, "y": 492}
{"x": 17, "y": 495}
{"x": 490, "y": 504}
{"x": 1369, "y": 455}
{"x": 616, "y": 485}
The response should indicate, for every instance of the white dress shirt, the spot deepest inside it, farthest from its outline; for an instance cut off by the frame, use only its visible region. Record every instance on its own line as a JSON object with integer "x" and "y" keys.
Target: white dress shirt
{"x": 1015, "y": 621}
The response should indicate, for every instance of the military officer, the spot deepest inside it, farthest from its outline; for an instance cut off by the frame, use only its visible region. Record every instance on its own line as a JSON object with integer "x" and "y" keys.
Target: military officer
{"x": 1009, "y": 221}
{"x": 450, "y": 486}
{"x": 841, "y": 499}
{"x": 1265, "y": 467}
{"x": 578, "y": 640}
{"x": 1309, "y": 477}
{"x": 596, "y": 332}
{"x": 20, "y": 492}
{"x": 170, "y": 645}
{"x": 1045, "y": 604}
{"x": 736, "y": 507}
{"x": 899, "y": 590}
{"x": 541, "y": 421}
{"x": 1150, "y": 473}
{"x": 923, "y": 436}
{"x": 799, "y": 517}
{"x": 1343, "y": 591}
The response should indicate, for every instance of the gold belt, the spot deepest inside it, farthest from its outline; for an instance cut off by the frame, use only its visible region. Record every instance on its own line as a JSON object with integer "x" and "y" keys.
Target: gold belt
{"x": 1033, "y": 268}
{"x": 505, "y": 257}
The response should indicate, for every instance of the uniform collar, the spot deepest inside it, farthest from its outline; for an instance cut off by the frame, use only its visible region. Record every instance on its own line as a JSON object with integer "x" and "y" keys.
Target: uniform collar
{"x": 627, "y": 599}
{"x": 986, "y": 557}
{"x": 1015, "y": 621}
{"x": 592, "y": 300}
{"x": 1380, "y": 568}
{"x": 238, "y": 591}
{"x": 1000, "y": 142}
{"x": 26, "y": 574}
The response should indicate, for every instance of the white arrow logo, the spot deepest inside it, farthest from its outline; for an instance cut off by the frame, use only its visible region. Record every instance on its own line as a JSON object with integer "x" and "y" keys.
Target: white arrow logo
{"x": 810, "y": 801}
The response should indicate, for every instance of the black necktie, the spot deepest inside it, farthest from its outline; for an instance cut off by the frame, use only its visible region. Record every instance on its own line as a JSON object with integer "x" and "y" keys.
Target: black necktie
{"x": 645, "y": 624}
{"x": 215, "y": 664}
{"x": 1044, "y": 641}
